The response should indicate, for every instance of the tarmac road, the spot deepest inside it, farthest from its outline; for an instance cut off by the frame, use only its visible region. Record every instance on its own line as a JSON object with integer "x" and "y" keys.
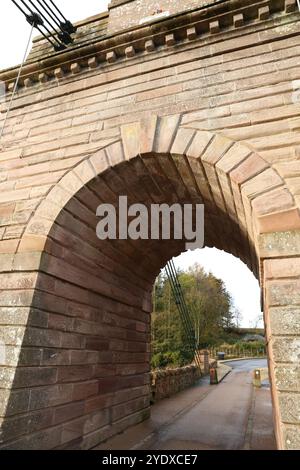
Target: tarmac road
{"x": 247, "y": 365}
{"x": 231, "y": 415}
{"x": 219, "y": 421}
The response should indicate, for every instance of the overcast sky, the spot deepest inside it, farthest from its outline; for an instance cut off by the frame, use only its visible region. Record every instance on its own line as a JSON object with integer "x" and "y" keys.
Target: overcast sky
{"x": 240, "y": 282}
{"x": 14, "y": 30}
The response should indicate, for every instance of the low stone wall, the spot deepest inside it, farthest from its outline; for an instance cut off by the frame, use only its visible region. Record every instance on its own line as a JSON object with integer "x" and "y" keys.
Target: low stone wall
{"x": 167, "y": 382}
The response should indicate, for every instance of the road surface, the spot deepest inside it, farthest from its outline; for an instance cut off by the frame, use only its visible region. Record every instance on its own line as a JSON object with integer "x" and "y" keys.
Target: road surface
{"x": 231, "y": 415}
{"x": 248, "y": 365}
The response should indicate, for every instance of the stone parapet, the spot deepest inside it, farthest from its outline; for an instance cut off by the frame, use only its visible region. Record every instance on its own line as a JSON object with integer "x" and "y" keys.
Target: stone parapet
{"x": 167, "y": 382}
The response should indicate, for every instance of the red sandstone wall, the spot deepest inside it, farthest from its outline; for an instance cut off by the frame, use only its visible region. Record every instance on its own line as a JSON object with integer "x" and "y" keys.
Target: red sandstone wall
{"x": 231, "y": 91}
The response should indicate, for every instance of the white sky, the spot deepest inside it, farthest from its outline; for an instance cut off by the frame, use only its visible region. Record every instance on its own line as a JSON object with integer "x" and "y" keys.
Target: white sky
{"x": 239, "y": 280}
{"x": 14, "y": 30}
{"x": 14, "y": 33}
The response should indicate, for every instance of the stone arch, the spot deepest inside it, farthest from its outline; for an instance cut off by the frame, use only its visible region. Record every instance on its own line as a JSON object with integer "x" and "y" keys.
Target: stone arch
{"x": 69, "y": 384}
{"x": 227, "y": 168}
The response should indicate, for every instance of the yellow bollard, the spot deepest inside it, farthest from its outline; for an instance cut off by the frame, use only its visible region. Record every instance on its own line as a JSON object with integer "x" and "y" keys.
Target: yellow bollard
{"x": 257, "y": 378}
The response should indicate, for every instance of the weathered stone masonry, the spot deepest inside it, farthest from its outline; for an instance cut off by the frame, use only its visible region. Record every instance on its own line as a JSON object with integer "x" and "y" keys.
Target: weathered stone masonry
{"x": 198, "y": 106}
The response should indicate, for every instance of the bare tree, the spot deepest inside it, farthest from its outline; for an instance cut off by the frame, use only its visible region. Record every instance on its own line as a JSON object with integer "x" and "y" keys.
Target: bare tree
{"x": 237, "y": 317}
{"x": 257, "y": 321}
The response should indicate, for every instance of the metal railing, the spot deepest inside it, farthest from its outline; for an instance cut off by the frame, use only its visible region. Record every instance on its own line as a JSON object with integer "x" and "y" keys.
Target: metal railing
{"x": 237, "y": 351}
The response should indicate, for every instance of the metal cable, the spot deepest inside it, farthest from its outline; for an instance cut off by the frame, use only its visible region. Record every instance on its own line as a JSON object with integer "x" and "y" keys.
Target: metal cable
{"x": 179, "y": 304}
{"x": 180, "y": 295}
{"x": 20, "y": 8}
{"x": 183, "y": 310}
{"x": 28, "y": 8}
{"x": 48, "y": 11}
{"x": 45, "y": 19}
{"x": 66, "y": 26}
{"x": 173, "y": 287}
{"x": 17, "y": 81}
{"x": 63, "y": 35}
{"x": 177, "y": 289}
{"x": 46, "y": 37}
{"x": 186, "y": 311}
{"x": 56, "y": 8}
{"x": 42, "y": 15}
{"x": 57, "y": 33}
{"x": 52, "y": 11}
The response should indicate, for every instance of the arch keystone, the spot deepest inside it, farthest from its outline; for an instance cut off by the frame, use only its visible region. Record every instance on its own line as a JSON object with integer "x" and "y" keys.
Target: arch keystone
{"x": 131, "y": 139}
{"x": 148, "y": 130}
{"x": 166, "y": 133}
{"x": 138, "y": 137}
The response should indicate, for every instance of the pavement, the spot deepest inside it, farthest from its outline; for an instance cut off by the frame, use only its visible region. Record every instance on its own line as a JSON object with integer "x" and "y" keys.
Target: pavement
{"x": 222, "y": 371}
{"x": 231, "y": 415}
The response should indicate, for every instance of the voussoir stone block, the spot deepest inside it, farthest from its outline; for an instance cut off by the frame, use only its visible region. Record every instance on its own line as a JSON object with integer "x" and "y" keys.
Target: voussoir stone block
{"x": 166, "y": 132}
{"x": 131, "y": 140}
{"x": 147, "y": 136}
{"x": 182, "y": 141}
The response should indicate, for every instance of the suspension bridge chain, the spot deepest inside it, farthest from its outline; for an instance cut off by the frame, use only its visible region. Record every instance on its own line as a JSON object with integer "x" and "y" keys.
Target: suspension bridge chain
{"x": 183, "y": 310}
{"x": 47, "y": 18}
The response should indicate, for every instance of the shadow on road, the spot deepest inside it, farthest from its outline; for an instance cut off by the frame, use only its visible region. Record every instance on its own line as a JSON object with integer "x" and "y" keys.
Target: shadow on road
{"x": 232, "y": 415}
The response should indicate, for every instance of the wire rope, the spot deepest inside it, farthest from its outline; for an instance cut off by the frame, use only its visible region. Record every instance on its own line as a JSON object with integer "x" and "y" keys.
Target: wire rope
{"x": 17, "y": 81}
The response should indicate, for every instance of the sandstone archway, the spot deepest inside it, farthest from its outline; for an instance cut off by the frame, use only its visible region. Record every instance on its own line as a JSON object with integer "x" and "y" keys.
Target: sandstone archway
{"x": 79, "y": 350}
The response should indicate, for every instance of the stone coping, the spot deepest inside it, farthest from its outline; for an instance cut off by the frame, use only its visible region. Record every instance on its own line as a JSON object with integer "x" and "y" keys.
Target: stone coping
{"x": 159, "y": 373}
{"x": 204, "y": 24}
